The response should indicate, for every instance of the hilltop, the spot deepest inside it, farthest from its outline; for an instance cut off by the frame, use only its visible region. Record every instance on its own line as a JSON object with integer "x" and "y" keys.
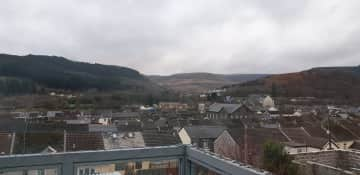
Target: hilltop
{"x": 324, "y": 82}
{"x": 200, "y": 82}
{"x": 37, "y": 73}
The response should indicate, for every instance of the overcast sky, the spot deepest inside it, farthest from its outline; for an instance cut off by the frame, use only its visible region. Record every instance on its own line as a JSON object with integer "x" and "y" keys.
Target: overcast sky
{"x": 173, "y": 36}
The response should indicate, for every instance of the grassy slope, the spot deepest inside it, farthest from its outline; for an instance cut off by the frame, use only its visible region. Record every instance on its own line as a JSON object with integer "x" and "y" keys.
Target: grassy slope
{"x": 199, "y": 82}
{"x": 335, "y": 82}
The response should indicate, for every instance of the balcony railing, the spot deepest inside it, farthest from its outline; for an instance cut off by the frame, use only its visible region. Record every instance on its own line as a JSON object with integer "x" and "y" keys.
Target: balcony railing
{"x": 167, "y": 160}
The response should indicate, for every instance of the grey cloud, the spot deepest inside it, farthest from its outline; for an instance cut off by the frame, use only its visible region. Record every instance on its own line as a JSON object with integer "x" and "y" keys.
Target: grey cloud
{"x": 169, "y": 36}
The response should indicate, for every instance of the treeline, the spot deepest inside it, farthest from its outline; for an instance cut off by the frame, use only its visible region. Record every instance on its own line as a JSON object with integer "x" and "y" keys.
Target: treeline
{"x": 60, "y": 73}
{"x": 15, "y": 86}
{"x": 337, "y": 83}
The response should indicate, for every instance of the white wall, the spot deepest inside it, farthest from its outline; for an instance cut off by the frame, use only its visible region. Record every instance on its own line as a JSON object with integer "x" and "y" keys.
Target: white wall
{"x": 292, "y": 150}
{"x": 268, "y": 102}
{"x": 184, "y": 136}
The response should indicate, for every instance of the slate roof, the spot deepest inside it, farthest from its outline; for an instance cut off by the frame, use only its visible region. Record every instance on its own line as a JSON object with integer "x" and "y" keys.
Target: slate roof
{"x": 197, "y": 132}
{"x": 299, "y": 135}
{"x": 36, "y": 142}
{"x": 353, "y": 126}
{"x": 316, "y": 142}
{"x": 129, "y": 125}
{"x": 200, "y": 122}
{"x": 160, "y": 138}
{"x": 148, "y": 124}
{"x": 356, "y": 145}
{"x": 177, "y": 123}
{"x": 315, "y": 131}
{"x": 12, "y": 125}
{"x": 161, "y": 122}
{"x": 102, "y": 128}
{"x": 77, "y": 128}
{"x": 257, "y": 136}
{"x": 237, "y": 134}
{"x": 125, "y": 115}
{"x": 229, "y": 108}
{"x": 341, "y": 134}
{"x": 84, "y": 141}
{"x": 56, "y": 127}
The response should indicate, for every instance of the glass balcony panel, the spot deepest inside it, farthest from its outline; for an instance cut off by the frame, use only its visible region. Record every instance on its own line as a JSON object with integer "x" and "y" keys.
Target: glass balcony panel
{"x": 199, "y": 170}
{"x": 50, "y": 171}
{"x": 144, "y": 167}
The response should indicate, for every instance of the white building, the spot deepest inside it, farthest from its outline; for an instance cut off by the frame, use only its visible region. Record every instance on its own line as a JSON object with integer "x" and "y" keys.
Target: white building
{"x": 268, "y": 102}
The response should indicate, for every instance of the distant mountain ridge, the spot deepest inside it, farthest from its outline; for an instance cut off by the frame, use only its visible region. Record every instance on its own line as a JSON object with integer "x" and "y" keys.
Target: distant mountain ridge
{"x": 23, "y": 74}
{"x": 321, "y": 82}
{"x": 200, "y": 82}
{"x": 355, "y": 70}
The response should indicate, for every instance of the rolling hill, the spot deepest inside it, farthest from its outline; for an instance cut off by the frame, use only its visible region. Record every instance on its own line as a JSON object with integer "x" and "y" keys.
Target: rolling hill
{"x": 323, "y": 82}
{"x": 200, "y": 82}
{"x": 32, "y": 73}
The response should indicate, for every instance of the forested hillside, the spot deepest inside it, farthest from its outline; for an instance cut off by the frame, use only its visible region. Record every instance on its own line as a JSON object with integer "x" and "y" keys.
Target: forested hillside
{"x": 328, "y": 82}
{"x": 201, "y": 82}
{"x": 11, "y": 85}
{"x": 34, "y": 73}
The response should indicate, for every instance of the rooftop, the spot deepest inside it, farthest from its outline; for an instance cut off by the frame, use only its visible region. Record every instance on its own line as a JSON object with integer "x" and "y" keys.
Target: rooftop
{"x": 229, "y": 108}
{"x": 123, "y": 140}
{"x": 204, "y": 131}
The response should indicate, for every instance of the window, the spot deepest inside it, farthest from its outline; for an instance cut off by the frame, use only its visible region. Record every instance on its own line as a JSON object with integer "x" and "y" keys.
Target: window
{"x": 205, "y": 144}
{"x": 120, "y": 166}
{"x": 41, "y": 172}
{"x": 87, "y": 172}
{"x": 138, "y": 165}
